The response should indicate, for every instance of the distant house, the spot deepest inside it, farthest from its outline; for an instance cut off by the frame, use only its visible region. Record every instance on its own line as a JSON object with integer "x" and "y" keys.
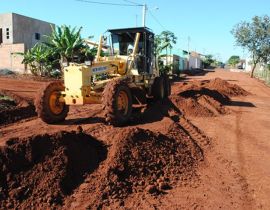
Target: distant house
{"x": 173, "y": 60}
{"x": 19, "y": 33}
{"x": 195, "y": 61}
{"x": 183, "y": 63}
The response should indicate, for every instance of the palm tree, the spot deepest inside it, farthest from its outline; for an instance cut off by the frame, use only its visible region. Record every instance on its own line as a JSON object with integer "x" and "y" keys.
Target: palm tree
{"x": 168, "y": 39}
{"x": 63, "y": 45}
{"x": 164, "y": 41}
{"x": 67, "y": 42}
{"x": 40, "y": 59}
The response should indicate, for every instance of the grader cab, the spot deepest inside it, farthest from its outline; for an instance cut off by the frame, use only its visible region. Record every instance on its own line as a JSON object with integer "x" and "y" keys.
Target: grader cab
{"x": 128, "y": 75}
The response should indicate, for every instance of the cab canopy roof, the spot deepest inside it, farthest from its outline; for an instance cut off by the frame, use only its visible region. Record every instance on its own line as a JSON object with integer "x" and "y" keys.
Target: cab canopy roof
{"x": 131, "y": 30}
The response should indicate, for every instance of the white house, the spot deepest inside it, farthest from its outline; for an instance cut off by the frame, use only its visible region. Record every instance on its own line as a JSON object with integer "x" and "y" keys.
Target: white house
{"x": 195, "y": 61}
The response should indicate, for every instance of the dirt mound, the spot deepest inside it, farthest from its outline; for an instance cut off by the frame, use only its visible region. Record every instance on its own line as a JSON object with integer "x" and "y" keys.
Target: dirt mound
{"x": 205, "y": 98}
{"x": 15, "y": 108}
{"x": 143, "y": 161}
{"x": 225, "y": 87}
{"x": 203, "y": 106}
{"x": 38, "y": 172}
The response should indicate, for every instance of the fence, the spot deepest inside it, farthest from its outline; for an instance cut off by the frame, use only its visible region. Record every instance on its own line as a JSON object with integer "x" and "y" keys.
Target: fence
{"x": 263, "y": 75}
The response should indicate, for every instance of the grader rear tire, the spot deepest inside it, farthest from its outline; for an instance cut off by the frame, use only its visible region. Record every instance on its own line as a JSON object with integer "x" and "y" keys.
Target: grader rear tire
{"x": 48, "y": 106}
{"x": 158, "y": 90}
{"x": 117, "y": 101}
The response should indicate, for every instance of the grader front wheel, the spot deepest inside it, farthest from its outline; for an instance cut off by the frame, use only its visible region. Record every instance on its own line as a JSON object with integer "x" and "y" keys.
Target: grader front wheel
{"x": 158, "y": 90}
{"x": 117, "y": 100}
{"x": 167, "y": 86}
{"x": 48, "y": 106}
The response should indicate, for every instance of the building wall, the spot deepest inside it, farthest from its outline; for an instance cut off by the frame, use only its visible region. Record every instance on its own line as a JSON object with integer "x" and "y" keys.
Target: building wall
{"x": 183, "y": 64}
{"x": 6, "y": 23}
{"x": 25, "y": 30}
{"x": 8, "y": 58}
{"x": 22, "y": 35}
{"x": 174, "y": 60}
{"x": 194, "y": 62}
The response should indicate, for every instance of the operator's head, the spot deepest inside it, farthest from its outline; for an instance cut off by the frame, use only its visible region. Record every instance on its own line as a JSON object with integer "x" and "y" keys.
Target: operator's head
{"x": 130, "y": 49}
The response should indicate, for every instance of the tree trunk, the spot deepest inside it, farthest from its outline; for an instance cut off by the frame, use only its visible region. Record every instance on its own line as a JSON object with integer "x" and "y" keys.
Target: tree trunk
{"x": 252, "y": 71}
{"x": 166, "y": 56}
{"x": 62, "y": 61}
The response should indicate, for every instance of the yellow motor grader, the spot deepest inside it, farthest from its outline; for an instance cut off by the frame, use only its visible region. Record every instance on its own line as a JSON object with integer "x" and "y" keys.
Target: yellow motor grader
{"x": 128, "y": 76}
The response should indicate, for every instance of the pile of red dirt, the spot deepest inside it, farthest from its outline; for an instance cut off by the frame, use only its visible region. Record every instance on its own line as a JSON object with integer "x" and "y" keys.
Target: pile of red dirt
{"x": 205, "y": 98}
{"x": 225, "y": 87}
{"x": 15, "y": 109}
{"x": 202, "y": 106}
{"x": 142, "y": 161}
{"x": 39, "y": 171}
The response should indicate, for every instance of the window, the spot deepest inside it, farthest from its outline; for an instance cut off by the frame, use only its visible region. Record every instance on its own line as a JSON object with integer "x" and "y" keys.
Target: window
{"x": 7, "y": 33}
{"x": 37, "y": 36}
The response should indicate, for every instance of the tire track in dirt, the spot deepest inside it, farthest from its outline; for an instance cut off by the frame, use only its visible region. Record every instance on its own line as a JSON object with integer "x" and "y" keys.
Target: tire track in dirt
{"x": 194, "y": 132}
{"x": 236, "y": 185}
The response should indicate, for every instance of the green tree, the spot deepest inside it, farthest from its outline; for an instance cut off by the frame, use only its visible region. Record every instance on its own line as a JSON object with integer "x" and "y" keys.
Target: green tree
{"x": 68, "y": 43}
{"x": 40, "y": 59}
{"x": 255, "y": 37}
{"x": 64, "y": 44}
{"x": 168, "y": 38}
{"x": 208, "y": 60}
{"x": 233, "y": 60}
{"x": 164, "y": 41}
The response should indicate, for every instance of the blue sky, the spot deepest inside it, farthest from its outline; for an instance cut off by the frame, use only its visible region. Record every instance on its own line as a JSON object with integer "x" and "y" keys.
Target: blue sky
{"x": 207, "y": 22}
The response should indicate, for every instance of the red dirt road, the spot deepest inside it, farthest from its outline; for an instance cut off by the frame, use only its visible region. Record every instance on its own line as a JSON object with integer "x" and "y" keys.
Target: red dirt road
{"x": 22, "y": 87}
{"x": 243, "y": 137}
{"x": 234, "y": 172}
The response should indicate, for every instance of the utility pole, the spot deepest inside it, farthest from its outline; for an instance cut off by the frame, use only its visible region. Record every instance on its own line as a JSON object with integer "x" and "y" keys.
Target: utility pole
{"x": 188, "y": 52}
{"x": 188, "y": 43}
{"x": 144, "y": 7}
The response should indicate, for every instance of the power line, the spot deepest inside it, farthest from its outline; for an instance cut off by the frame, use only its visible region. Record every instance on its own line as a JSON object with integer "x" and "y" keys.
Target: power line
{"x": 133, "y": 3}
{"x": 108, "y": 3}
{"x": 156, "y": 20}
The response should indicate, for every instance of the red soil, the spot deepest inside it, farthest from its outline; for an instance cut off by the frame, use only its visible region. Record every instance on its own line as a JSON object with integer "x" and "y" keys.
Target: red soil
{"x": 41, "y": 170}
{"x": 205, "y": 98}
{"x": 15, "y": 110}
{"x": 160, "y": 160}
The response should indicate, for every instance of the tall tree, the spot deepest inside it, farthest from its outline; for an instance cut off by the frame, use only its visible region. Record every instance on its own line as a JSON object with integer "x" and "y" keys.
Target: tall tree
{"x": 168, "y": 38}
{"x": 233, "y": 60}
{"x": 255, "y": 37}
{"x": 164, "y": 41}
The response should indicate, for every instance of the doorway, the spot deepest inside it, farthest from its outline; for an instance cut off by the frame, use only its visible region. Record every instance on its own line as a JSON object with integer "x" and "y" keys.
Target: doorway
{"x": 1, "y": 36}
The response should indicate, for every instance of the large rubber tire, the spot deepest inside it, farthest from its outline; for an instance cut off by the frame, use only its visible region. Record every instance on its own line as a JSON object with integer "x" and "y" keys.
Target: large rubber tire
{"x": 43, "y": 107}
{"x": 158, "y": 90}
{"x": 167, "y": 86}
{"x": 111, "y": 94}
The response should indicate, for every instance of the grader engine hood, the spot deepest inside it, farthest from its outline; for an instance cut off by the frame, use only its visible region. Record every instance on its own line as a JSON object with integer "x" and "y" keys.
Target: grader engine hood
{"x": 77, "y": 81}
{"x": 80, "y": 84}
